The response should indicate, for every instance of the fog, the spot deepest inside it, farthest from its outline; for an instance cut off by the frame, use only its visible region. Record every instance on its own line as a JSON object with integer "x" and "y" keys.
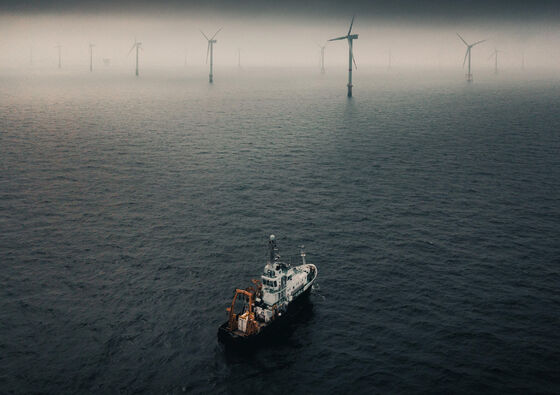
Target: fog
{"x": 281, "y": 39}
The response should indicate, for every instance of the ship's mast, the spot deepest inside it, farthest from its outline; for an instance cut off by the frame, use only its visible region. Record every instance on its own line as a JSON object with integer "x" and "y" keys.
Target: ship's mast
{"x": 302, "y": 255}
{"x": 272, "y": 250}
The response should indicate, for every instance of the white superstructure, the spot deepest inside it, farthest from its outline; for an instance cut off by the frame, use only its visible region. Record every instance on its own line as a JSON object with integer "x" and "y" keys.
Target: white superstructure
{"x": 282, "y": 283}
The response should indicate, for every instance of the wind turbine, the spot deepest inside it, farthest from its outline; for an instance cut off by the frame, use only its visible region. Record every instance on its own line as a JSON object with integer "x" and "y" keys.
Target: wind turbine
{"x": 138, "y": 46}
{"x": 350, "y": 38}
{"x": 210, "y": 51}
{"x": 323, "y": 47}
{"x": 91, "y": 57}
{"x": 59, "y": 56}
{"x": 468, "y": 53}
{"x": 495, "y": 55}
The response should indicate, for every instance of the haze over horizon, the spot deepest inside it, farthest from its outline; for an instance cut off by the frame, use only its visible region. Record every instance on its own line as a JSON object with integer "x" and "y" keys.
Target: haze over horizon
{"x": 280, "y": 34}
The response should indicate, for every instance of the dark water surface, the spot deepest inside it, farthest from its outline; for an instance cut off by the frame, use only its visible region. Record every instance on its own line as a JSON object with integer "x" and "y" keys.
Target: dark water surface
{"x": 131, "y": 209}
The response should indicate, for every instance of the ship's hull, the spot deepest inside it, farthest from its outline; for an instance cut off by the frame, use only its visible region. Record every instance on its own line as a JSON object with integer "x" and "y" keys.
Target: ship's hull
{"x": 278, "y": 327}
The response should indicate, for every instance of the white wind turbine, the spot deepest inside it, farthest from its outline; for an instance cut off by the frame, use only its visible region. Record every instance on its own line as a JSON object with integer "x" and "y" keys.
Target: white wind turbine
{"x": 468, "y": 53}
{"x": 59, "y": 55}
{"x": 350, "y": 37}
{"x": 91, "y": 57}
{"x": 495, "y": 55}
{"x": 323, "y": 47}
{"x": 210, "y": 50}
{"x": 138, "y": 46}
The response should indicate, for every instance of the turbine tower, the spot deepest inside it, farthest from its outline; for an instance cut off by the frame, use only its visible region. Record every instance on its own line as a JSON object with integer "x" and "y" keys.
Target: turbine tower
{"x": 210, "y": 50}
{"x": 138, "y": 46}
{"x": 91, "y": 57}
{"x": 59, "y": 56}
{"x": 323, "y": 47}
{"x": 468, "y": 53}
{"x": 350, "y": 37}
{"x": 495, "y": 55}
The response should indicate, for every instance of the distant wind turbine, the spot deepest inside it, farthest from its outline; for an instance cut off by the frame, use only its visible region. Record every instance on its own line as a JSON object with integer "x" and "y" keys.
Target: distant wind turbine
{"x": 59, "y": 56}
{"x": 91, "y": 57}
{"x": 323, "y": 47}
{"x": 138, "y": 46}
{"x": 210, "y": 50}
{"x": 495, "y": 55}
{"x": 350, "y": 37}
{"x": 468, "y": 53}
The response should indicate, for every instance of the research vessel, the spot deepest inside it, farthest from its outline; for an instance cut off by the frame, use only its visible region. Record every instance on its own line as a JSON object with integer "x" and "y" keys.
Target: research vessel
{"x": 267, "y": 306}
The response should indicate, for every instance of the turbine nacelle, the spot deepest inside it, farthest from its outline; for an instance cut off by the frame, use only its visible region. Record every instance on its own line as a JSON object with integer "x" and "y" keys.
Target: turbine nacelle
{"x": 349, "y": 37}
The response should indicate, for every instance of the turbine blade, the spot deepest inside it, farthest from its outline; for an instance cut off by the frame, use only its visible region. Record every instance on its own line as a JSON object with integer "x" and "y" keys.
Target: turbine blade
{"x": 204, "y": 35}
{"x": 207, "y": 51}
{"x": 338, "y": 38}
{"x": 462, "y": 39}
{"x": 351, "y": 23}
{"x": 131, "y": 48}
{"x": 464, "y": 60}
{"x": 354, "y": 60}
{"x": 215, "y": 34}
{"x": 478, "y": 42}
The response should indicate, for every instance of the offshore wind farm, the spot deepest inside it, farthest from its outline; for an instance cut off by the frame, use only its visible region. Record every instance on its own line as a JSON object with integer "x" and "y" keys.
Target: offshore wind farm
{"x": 147, "y": 157}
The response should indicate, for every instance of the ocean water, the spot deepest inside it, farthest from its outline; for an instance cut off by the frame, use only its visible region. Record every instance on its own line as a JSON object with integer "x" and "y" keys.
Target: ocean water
{"x": 130, "y": 210}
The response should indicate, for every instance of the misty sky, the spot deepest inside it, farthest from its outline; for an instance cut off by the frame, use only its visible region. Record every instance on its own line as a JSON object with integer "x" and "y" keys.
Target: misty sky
{"x": 427, "y": 9}
{"x": 279, "y": 33}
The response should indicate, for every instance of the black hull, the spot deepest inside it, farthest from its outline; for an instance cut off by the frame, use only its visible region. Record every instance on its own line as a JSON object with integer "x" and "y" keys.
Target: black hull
{"x": 277, "y": 328}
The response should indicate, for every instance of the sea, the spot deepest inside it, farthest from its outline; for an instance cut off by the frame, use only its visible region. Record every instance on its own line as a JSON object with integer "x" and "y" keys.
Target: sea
{"x": 132, "y": 208}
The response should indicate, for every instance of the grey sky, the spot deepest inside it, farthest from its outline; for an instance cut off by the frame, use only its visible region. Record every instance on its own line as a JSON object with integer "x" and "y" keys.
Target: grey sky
{"x": 428, "y": 10}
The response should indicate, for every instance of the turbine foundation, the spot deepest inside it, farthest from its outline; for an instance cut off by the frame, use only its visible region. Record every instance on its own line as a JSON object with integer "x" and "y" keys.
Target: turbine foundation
{"x": 349, "y": 90}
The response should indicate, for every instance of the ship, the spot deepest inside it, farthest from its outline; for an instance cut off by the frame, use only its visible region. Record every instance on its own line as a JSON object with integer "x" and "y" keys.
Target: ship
{"x": 266, "y": 307}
